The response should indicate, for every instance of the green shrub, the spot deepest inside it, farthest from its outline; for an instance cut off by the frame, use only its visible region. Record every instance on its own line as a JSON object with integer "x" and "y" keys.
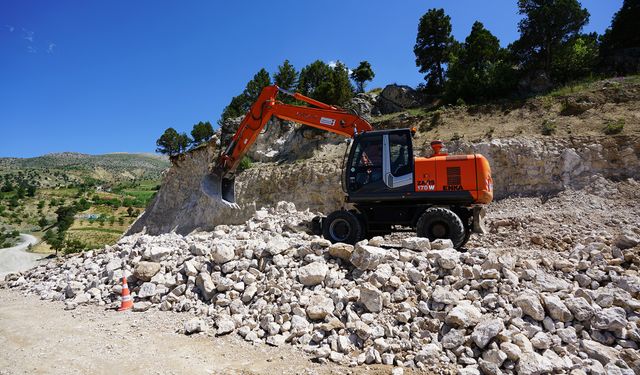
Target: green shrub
{"x": 74, "y": 246}
{"x": 489, "y": 133}
{"x": 245, "y": 163}
{"x": 548, "y": 127}
{"x": 614, "y": 127}
{"x": 436, "y": 119}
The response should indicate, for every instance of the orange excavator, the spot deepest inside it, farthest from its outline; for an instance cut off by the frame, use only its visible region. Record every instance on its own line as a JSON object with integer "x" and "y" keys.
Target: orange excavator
{"x": 441, "y": 196}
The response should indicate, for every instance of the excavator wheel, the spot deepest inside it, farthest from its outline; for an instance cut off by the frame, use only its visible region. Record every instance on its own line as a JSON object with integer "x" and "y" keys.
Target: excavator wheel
{"x": 342, "y": 226}
{"x": 467, "y": 235}
{"x": 442, "y": 223}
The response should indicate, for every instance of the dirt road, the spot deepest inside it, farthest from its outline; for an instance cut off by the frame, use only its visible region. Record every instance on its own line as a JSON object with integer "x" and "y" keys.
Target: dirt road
{"x": 16, "y": 258}
{"x": 39, "y": 337}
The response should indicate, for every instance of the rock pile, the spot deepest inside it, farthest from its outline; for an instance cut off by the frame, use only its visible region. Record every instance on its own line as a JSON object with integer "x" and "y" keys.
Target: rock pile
{"x": 397, "y": 301}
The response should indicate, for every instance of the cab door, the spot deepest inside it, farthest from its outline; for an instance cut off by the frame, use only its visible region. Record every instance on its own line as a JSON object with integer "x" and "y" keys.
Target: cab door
{"x": 364, "y": 167}
{"x": 397, "y": 163}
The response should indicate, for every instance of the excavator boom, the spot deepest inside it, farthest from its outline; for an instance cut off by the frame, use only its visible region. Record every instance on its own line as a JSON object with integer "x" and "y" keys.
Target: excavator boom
{"x": 219, "y": 184}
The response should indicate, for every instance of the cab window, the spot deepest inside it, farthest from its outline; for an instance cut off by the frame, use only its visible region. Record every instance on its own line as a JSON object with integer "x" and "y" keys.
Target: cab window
{"x": 400, "y": 154}
{"x": 366, "y": 165}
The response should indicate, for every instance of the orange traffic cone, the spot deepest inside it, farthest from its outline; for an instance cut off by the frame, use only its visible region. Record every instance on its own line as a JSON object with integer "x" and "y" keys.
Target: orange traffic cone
{"x": 126, "y": 301}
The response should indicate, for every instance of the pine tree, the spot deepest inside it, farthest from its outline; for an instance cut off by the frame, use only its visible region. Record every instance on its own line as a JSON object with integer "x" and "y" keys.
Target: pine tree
{"x": 341, "y": 90}
{"x": 362, "y": 74}
{"x": 479, "y": 69}
{"x": 546, "y": 26}
{"x": 236, "y": 108}
{"x": 312, "y": 76}
{"x": 433, "y": 47}
{"x": 172, "y": 143}
{"x": 240, "y": 104}
{"x": 575, "y": 58}
{"x": 286, "y": 77}
{"x": 254, "y": 87}
{"x": 201, "y": 132}
{"x": 623, "y": 32}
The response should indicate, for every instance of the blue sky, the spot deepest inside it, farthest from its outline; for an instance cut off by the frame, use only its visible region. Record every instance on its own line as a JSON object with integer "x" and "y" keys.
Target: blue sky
{"x": 110, "y": 76}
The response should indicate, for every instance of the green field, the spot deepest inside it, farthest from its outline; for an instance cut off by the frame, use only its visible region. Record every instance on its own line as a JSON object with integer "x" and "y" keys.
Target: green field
{"x": 100, "y": 196}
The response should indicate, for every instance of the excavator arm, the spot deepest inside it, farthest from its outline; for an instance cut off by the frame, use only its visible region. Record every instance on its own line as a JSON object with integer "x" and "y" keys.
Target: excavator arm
{"x": 220, "y": 183}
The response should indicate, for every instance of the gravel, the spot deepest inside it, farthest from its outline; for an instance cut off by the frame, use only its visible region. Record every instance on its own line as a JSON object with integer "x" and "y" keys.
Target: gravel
{"x": 552, "y": 287}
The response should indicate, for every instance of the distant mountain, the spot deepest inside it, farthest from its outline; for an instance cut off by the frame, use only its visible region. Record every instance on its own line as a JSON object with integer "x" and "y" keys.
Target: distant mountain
{"x": 114, "y": 167}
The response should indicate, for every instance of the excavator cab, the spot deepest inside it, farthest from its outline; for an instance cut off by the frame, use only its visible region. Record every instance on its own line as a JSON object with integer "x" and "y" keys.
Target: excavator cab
{"x": 380, "y": 164}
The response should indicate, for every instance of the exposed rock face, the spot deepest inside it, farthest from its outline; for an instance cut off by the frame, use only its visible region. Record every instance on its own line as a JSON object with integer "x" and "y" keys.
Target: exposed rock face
{"x": 308, "y": 174}
{"x": 533, "y": 166}
{"x": 537, "y": 82}
{"x": 181, "y": 205}
{"x": 395, "y": 98}
{"x": 363, "y": 104}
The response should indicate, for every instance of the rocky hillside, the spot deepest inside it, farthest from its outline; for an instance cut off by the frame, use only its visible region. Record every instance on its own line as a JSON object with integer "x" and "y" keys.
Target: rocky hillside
{"x": 62, "y": 169}
{"x": 303, "y": 165}
{"x": 589, "y": 109}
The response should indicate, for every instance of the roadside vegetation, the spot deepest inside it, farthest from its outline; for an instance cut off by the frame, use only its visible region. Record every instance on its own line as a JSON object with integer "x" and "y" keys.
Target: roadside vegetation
{"x": 8, "y": 238}
{"x": 69, "y": 208}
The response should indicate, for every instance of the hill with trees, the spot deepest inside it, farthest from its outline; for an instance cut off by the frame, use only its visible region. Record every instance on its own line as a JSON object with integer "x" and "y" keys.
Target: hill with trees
{"x": 551, "y": 51}
{"x": 61, "y": 168}
{"x": 75, "y": 201}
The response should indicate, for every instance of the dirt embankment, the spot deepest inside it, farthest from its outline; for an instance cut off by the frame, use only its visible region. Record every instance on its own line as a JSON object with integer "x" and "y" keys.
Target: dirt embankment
{"x": 573, "y": 111}
{"x": 303, "y": 165}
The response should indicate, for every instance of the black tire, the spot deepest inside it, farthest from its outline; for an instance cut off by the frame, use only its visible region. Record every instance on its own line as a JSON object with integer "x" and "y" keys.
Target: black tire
{"x": 442, "y": 223}
{"x": 342, "y": 226}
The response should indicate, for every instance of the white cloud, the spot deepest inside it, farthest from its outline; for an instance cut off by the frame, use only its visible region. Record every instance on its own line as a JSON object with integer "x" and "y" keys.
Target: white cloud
{"x": 10, "y": 28}
{"x": 50, "y": 48}
{"x": 30, "y": 49}
{"x": 333, "y": 63}
{"x": 28, "y": 35}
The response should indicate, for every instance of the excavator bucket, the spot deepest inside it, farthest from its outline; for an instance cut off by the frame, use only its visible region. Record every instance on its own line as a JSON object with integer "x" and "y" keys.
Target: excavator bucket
{"x": 220, "y": 188}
